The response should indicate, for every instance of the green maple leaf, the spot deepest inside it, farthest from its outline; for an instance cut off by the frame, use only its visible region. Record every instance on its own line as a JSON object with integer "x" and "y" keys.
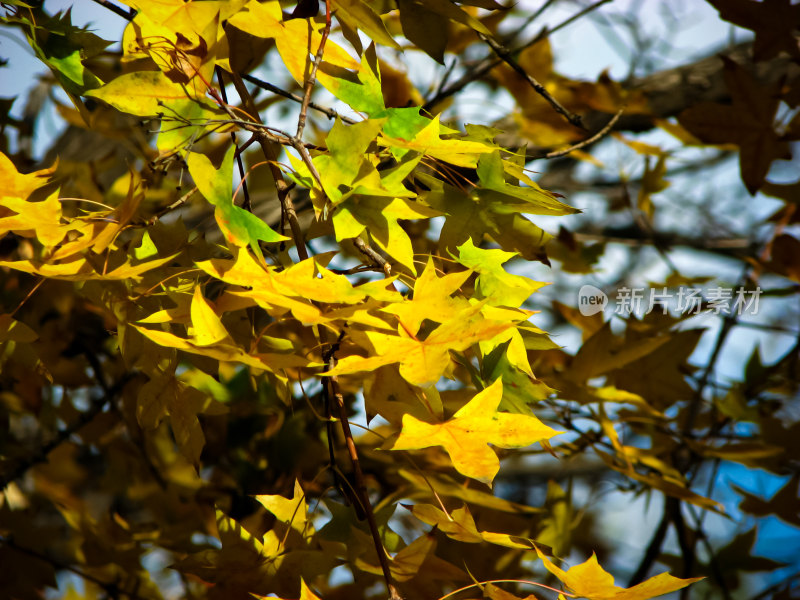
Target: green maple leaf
{"x": 494, "y": 282}
{"x": 240, "y": 227}
{"x": 380, "y": 216}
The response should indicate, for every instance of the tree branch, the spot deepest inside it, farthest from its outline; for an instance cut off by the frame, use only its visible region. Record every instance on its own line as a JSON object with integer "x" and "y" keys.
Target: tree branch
{"x": 281, "y": 187}
{"x": 128, "y": 15}
{"x": 40, "y": 455}
{"x": 490, "y": 62}
{"x": 366, "y": 250}
{"x": 246, "y": 204}
{"x": 360, "y": 485}
{"x": 506, "y": 57}
{"x": 328, "y": 112}
{"x": 312, "y": 77}
{"x": 590, "y": 140}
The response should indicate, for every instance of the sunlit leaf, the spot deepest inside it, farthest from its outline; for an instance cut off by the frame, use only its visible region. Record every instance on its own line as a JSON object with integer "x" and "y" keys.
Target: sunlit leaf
{"x": 466, "y": 437}
{"x": 590, "y": 580}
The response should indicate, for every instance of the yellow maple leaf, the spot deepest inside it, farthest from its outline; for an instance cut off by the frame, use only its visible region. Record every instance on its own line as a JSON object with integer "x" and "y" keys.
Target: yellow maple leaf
{"x": 466, "y": 437}
{"x": 265, "y": 20}
{"x": 590, "y": 580}
{"x": 39, "y": 219}
{"x": 460, "y": 525}
{"x": 463, "y": 153}
{"x": 422, "y": 362}
{"x": 292, "y": 511}
{"x": 207, "y": 328}
{"x": 432, "y": 299}
{"x": 305, "y": 593}
{"x": 227, "y": 352}
{"x": 19, "y": 185}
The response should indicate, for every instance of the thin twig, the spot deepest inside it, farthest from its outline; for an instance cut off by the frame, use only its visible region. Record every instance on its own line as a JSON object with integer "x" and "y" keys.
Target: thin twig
{"x": 246, "y": 204}
{"x": 548, "y": 32}
{"x": 328, "y": 112}
{"x": 505, "y": 54}
{"x": 312, "y": 76}
{"x": 168, "y": 209}
{"x": 128, "y": 15}
{"x": 360, "y": 487}
{"x": 281, "y": 187}
{"x": 356, "y": 270}
{"x": 366, "y": 250}
{"x": 493, "y": 581}
{"x": 490, "y": 62}
{"x": 590, "y": 140}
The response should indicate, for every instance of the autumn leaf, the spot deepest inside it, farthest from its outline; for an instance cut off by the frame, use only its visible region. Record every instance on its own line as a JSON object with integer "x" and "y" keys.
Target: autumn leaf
{"x": 492, "y": 172}
{"x": 494, "y": 282}
{"x": 475, "y": 215}
{"x": 463, "y": 153}
{"x": 359, "y": 15}
{"x": 264, "y": 19}
{"x": 142, "y": 93}
{"x": 773, "y": 21}
{"x": 749, "y": 122}
{"x": 460, "y": 525}
{"x": 305, "y": 593}
{"x": 207, "y": 328}
{"x": 433, "y": 299}
{"x": 380, "y": 217}
{"x": 241, "y": 228}
{"x": 590, "y": 580}
{"x": 12, "y": 330}
{"x": 39, "y": 219}
{"x": 467, "y": 435}
{"x": 63, "y": 47}
{"x": 422, "y": 362}
{"x": 20, "y": 185}
{"x": 292, "y": 511}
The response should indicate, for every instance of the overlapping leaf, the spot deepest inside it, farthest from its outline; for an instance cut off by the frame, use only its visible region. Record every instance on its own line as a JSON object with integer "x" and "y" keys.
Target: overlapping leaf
{"x": 467, "y": 435}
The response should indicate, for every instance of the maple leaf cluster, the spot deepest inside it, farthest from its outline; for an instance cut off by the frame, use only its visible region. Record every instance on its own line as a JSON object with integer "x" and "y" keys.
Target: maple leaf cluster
{"x": 321, "y": 404}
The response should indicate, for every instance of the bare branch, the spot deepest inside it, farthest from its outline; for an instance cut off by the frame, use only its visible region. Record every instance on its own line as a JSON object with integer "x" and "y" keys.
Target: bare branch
{"x": 328, "y": 112}
{"x": 366, "y": 250}
{"x": 128, "y": 15}
{"x": 505, "y": 55}
{"x": 174, "y": 205}
{"x": 591, "y": 140}
{"x": 246, "y": 204}
{"x": 490, "y": 62}
{"x": 312, "y": 77}
{"x": 360, "y": 486}
{"x": 281, "y": 187}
